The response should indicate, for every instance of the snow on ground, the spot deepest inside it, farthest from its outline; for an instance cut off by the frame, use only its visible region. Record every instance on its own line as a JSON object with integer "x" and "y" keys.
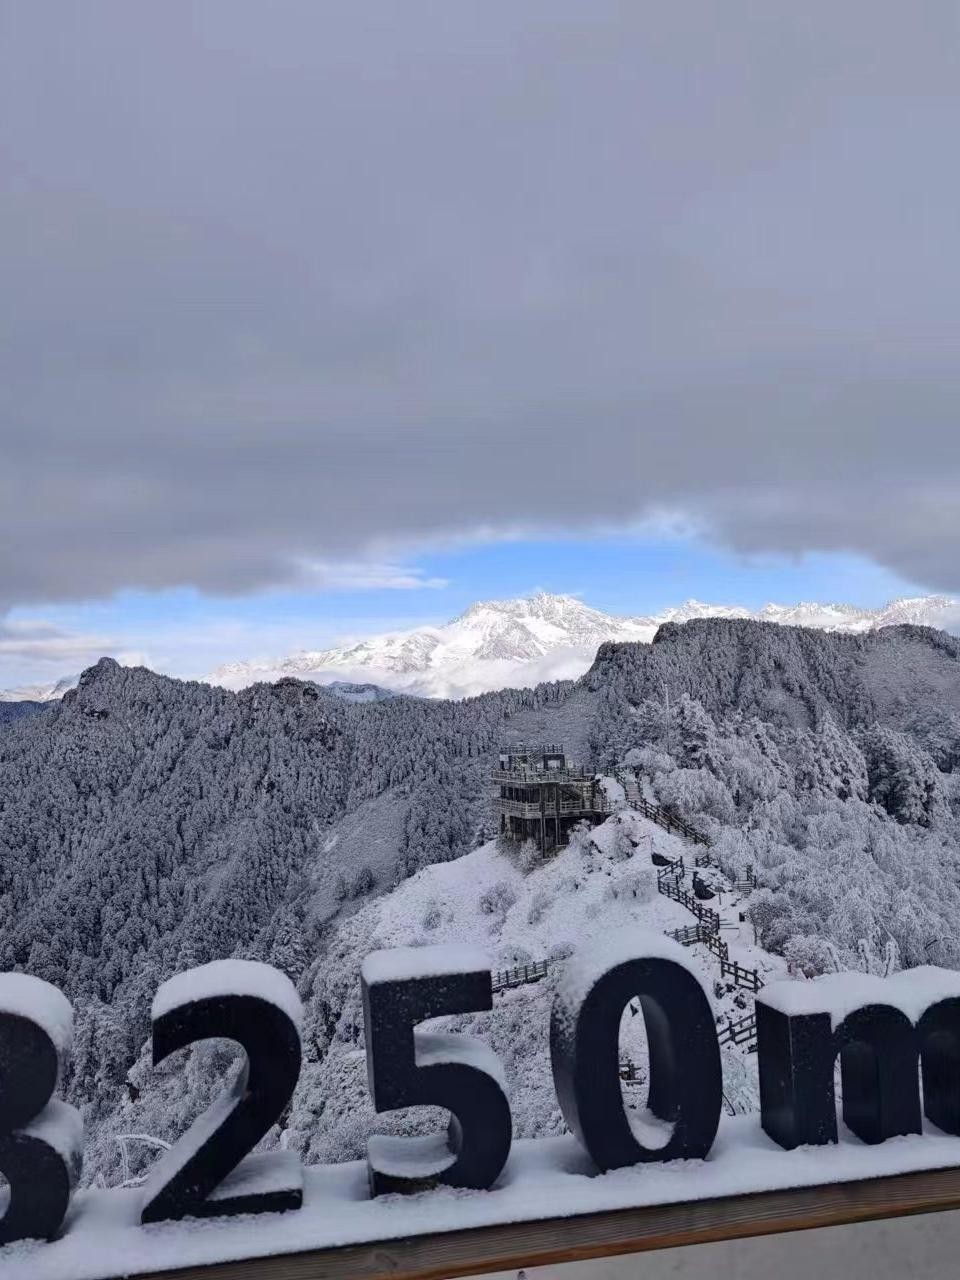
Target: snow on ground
{"x": 544, "y": 1179}
{"x": 485, "y": 898}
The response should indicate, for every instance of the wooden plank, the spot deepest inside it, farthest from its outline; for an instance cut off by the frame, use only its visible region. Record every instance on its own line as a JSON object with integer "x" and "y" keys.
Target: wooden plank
{"x": 528, "y": 1244}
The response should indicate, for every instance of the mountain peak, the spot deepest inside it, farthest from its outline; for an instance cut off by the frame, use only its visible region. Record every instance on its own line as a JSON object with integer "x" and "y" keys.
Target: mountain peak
{"x": 545, "y": 636}
{"x": 539, "y": 603}
{"x": 524, "y": 641}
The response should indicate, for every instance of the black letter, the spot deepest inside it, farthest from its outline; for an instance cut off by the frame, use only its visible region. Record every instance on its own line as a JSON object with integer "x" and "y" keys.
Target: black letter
{"x": 878, "y": 1072}
{"x": 408, "y": 1068}
{"x": 685, "y": 1076}
{"x": 796, "y": 1051}
{"x": 795, "y": 1061}
{"x": 939, "y": 1033}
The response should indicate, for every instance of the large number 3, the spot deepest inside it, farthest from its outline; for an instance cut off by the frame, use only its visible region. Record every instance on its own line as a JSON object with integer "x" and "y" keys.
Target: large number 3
{"x": 257, "y": 1007}
{"x": 40, "y": 1139}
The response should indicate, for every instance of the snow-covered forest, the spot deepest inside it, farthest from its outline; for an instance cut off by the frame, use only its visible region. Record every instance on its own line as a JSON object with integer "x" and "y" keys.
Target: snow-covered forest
{"x": 149, "y": 825}
{"x": 827, "y": 762}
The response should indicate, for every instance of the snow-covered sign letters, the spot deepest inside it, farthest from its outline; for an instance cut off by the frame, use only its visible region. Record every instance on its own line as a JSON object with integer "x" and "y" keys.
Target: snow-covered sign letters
{"x": 897, "y": 1040}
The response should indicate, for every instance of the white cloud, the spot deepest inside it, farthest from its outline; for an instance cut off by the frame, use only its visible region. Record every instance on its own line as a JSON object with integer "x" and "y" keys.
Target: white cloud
{"x": 363, "y": 576}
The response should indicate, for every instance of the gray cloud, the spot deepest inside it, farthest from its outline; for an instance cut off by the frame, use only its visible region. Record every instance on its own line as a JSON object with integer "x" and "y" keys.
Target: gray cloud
{"x": 36, "y": 643}
{"x": 292, "y": 284}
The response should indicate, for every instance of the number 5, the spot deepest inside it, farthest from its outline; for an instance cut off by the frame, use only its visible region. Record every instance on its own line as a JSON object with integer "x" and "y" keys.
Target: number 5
{"x": 408, "y": 1068}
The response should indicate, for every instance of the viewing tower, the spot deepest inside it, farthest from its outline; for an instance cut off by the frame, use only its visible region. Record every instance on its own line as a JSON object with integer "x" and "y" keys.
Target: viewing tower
{"x": 543, "y": 795}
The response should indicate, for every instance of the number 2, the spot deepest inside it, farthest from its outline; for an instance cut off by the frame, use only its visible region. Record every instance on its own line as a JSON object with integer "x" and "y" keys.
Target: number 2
{"x": 257, "y": 1007}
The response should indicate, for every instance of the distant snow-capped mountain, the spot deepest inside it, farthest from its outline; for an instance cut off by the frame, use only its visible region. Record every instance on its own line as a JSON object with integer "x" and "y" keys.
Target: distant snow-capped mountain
{"x": 502, "y": 643}
{"x": 499, "y": 644}
{"x": 492, "y": 645}
{"x": 40, "y": 692}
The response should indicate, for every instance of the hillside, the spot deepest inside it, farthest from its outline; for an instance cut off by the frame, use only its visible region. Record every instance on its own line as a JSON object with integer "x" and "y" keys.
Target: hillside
{"x": 147, "y": 825}
{"x": 10, "y": 712}
{"x": 827, "y": 762}
{"x": 907, "y": 676}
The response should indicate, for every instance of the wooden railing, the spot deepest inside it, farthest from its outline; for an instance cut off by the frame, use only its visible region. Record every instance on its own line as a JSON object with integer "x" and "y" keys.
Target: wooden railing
{"x": 630, "y": 1072}
{"x": 709, "y": 918}
{"x": 747, "y": 883}
{"x": 707, "y": 932}
{"x": 519, "y": 976}
{"x": 668, "y": 820}
{"x": 519, "y": 808}
{"x": 687, "y": 936}
{"x": 743, "y": 1031}
{"x": 547, "y": 808}
{"x": 673, "y": 871}
{"x": 691, "y": 934}
{"x": 749, "y": 979}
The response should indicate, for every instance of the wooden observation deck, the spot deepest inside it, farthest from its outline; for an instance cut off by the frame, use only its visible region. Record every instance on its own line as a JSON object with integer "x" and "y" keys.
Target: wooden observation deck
{"x": 542, "y": 795}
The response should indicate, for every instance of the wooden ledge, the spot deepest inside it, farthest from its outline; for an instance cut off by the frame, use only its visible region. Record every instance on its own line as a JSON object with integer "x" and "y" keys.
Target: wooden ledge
{"x": 597, "y": 1235}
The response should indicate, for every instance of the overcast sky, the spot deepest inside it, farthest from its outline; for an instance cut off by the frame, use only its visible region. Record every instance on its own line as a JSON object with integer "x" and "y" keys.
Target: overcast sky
{"x": 294, "y": 294}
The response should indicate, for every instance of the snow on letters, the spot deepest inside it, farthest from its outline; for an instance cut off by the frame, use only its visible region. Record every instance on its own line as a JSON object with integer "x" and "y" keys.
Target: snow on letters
{"x": 40, "y": 1002}
{"x": 543, "y": 1178}
{"x": 229, "y": 978}
{"x": 400, "y": 964}
{"x": 839, "y": 994}
{"x": 586, "y": 966}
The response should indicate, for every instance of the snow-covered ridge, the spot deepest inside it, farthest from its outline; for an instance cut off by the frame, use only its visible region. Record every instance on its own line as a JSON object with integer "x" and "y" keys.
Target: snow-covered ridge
{"x": 519, "y": 643}
{"x": 40, "y": 692}
{"x": 499, "y": 644}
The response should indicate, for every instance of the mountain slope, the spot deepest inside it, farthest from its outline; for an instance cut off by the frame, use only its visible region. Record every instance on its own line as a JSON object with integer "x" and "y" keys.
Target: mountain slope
{"x": 904, "y": 676}
{"x": 828, "y": 764}
{"x": 148, "y": 824}
{"x": 10, "y": 712}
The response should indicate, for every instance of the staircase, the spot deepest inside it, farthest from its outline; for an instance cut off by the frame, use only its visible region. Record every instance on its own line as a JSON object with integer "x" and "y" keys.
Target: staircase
{"x": 631, "y": 788}
{"x": 662, "y": 817}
